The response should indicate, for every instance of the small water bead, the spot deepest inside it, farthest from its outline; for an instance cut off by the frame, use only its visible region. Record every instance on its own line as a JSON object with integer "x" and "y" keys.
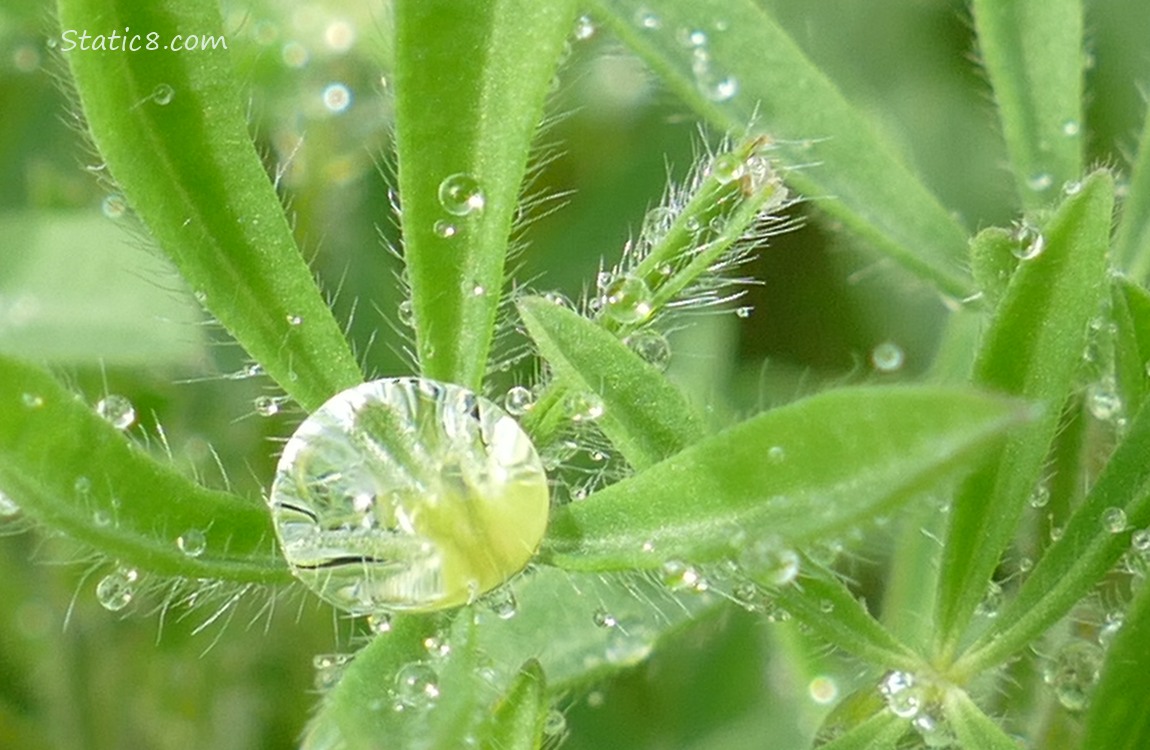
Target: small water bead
{"x": 32, "y": 400}
{"x": 1114, "y": 520}
{"x": 584, "y": 28}
{"x": 991, "y": 602}
{"x": 711, "y": 81}
{"x": 192, "y": 542}
{"x": 1040, "y": 182}
{"x": 1071, "y": 187}
{"x": 603, "y": 619}
{"x": 379, "y": 623}
{"x": 406, "y": 311}
{"x": 651, "y": 346}
{"x": 294, "y": 320}
{"x": 1140, "y": 540}
{"x": 444, "y": 229}
{"x": 679, "y": 576}
{"x": 1071, "y": 128}
{"x": 1110, "y": 628}
{"x": 518, "y": 401}
{"x": 657, "y": 221}
{"x": 627, "y": 299}
{"x": 887, "y": 357}
{"x": 555, "y": 723}
{"x": 266, "y": 406}
{"x": 933, "y": 728}
{"x": 727, "y": 168}
{"x": 117, "y": 589}
{"x": 1073, "y": 673}
{"x": 163, "y": 94}
{"x": 116, "y": 411}
{"x": 584, "y": 406}
{"x": 416, "y": 686}
{"x": 336, "y": 98}
{"x": 406, "y": 494}
{"x": 776, "y": 454}
{"x": 1103, "y": 401}
{"x": 770, "y": 562}
{"x": 647, "y": 19}
{"x": 8, "y": 506}
{"x": 902, "y": 695}
{"x": 437, "y": 646}
{"x": 1040, "y": 496}
{"x": 460, "y": 194}
{"x": 502, "y": 602}
{"x": 114, "y": 207}
{"x": 744, "y": 312}
{"x": 1028, "y": 242}
{"x": 82, "y": 486}
{"x": 328, "y": 669}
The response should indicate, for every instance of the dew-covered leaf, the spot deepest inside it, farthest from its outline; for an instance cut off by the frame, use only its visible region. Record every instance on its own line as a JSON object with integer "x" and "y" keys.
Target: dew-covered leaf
{"x": 1130, "y": 305}
{"x": 73, "y": 471}
{"x": 992, "y": 260}
{"x": 1132, "y": 239}
{"x": 1032, "y": 349}
{"x": 74, "y": 291}
{"x": 470, "y": 81}
{"x": 798, "y": 473}
{"x": 752, "y": 72}
{"x": 646, "y": 417}
{"x": 1117, "y": 718}
{"x": 173, "y": 131}
{"x": 974, "y": 728}
{"x": 517, "y": 723}
{"x": 1032, "y": 51}
{"x": 880, "y": 731}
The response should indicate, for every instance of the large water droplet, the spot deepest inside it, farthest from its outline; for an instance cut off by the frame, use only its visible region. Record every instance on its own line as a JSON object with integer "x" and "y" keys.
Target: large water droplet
{"x": 902, "y": 695}
{"x": 584, "y": 28}
{"x": 408, "y": 494}
{"x": 116, "y": 590}
{"x": 116, "y": 411}
{"x": 627, "y": 299}
{"x": 416, "y": 686}
{"x": 1028, "y": 241}
{"x": 518, "y": 400}
{"x": 1073, "y": 673}
{"x": 651, "y": 346}
{"x": 163, "y": 94}
{"x": 887, "y": 357}
{"x": 1040, "y": 496}
{"x": 8, "y": 506}
{"x": 192, "y": 542}
{"x": 583, "y": 406}
{"x": 460, "y": 194}
{"x": 1114, "y": 520}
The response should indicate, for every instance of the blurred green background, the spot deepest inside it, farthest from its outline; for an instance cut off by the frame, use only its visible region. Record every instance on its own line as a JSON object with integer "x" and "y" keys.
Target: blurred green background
{"x": 81, "y": 288}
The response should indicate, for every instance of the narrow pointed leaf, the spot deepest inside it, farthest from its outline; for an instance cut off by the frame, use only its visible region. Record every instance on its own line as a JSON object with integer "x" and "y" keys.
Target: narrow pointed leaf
{"x": 992, "y": 261}
{"x": 1117, "y": 718}
{"x": 1033, "y": 53}
{"x": 974, "y": 728}
{"x": 798, "y": 473}
{"x": 470, "y": 80}
{"x": 172, "y": 130}
{"x": 754, "y": 73}
{"x": 646, "y": 417}
{"x": 881, "y": 731}
{"x": 1132, "y": 241}
{"x": 73, "y": 471}
{"x": 1032, "y": 349}
{"x": 1131, "y": 305}
{"x": 517, "y": 723}
{"x": 1073, "y": 565}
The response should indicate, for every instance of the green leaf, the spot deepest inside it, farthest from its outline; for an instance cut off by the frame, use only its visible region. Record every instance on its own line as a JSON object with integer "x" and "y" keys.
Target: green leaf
{"x": 974, "y": 728}
{"x": 1117, "y": 718}
{"x": 71, "y": 470}
{"x": 470, "y": 81}
{"x": 517, "y": 723}
{"x": 1032, "y": 349}
{"x": 1132, "y": 240}
{"x": 881, "y": 731}
{"x": 75, "y": 291}
{"x": 993, "y": 262}
{"x": 1032, "y": 50}
{"x": 755, "y": 74}
{"x": 646, "y": 417}
{"x": 1131, "y": 309}
{"x": 1074, "y": 564}
{"x": 798, "y": 473}
{"x": 172, "y": 129}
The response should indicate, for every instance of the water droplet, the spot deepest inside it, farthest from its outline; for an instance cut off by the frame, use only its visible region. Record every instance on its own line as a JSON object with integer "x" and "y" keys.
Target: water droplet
{"x": 1028, "y": 241}
{"x": 711, "y": 81}
{"x": 776, "y": 454}
{"x": 584, "y": 28}
{"x": 294, "y": 320}
{"x": 1109, "y": 630}
{"x": 651, "y": 346}
{"x": 744, "y": 312}
{"x": 656, "y": 222}
{"x": 1073, "y": 673}
{"x": 727, "y": 168}
{"x": 437, "y": 646}
{"x": 192, "y": 542}
{"x": 379, "y": 623}
{"x": 460, "y": 195}
{"x": 1114, "y": 520}
{"x": 502, "y": 602}
{"x": 555, "y": 724}
{"x": 1040, "y": 496}
{"x": 887, "y": 357}
{"x": 823, "y": 690}
{"x": 603, "y": 619}
{"x": 583, "y": 406}
{"x": 416, "y": 686}
{"x": 1071, "y": 128}
{"x": 627, "y": 299}
{"x": 328, "y": 669}
{"x": 518, "y": 400}
{"x": 407, "y": 494}
{"x": 336, "y": 98}
{"x": 679, "y": 576}
{"x": 444, "y": 229}
{"x": 32, "y": 400}
{"x": 933, "y": 728}
{"x": 1040, "y": 182}
{"x": 407, "y": 313}
{"x": 266, "y": 406}
{"x": 991, "y": 602}
{"x": 691, "y": 37}
{"x": 903, "y": 697}
{"x": 116, "y": 590}
{"x": 114, "y": 206}
{"x": 116, "y": 411}
{"x": 770, "y": 562}
{"x": 645, "y": 18}
{"x": 82, "y": 486}
{"x": 1140, "y": 540}
{"x": 1071, "y": 187}
{"x": 163, "y": 94}
{"x": 8, "y": 506}
{"x": 1103, "y": 401}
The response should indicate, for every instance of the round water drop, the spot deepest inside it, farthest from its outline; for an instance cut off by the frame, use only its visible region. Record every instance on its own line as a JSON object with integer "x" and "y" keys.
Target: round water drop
{"x": 1028, "y": 242}
{"x": 1103, "y": 401}
{"x": 744, "y": 312}
{"x": 192, "y": 542}
{"x": 555, "y": 723}
{"x": 647, "y": 19}
{"x": 1040, "y": 496}
{"x": 328, "y": 669}
{"x": 1040, "y": 182}
{"x": 1073, "y": 673}
{"x": 407, "y": 313}
{"x": 776, "y": 454}
{"x": 1140, "y": 540}
{"x": 603, "y": 619}
{"x": 887, "y": 357}
{"x": 416, "y": 686}
{"x": 657, "y": 221}
{"x": 727, "y": 168}
{"x": 502, "y": 602}
{"x": 1110, "y": 628}
{"x": 991, "y": 601}
{"x": 903, "y": 697}
{"x": 116, "y": 411}
{"x": 627, "y": 299}
{"x": 294, "y": 320}
{"x": 163, "y": 94}
{"x": 1114, "y": 520}
{"x": 584, "y": 28}
{"x": 336, "y": 98}
{"x": 770, "y": 562}
{"x": 379, "y": 623}
{"x": 679, "y": 576}
{"x": 518, "y": 400}
{"x": 651, "y": 346}
{"x": 460, "y": 194}
{"x": 1071, "y": 128}
{"x": 1071, "y": 187}
{"x": 266, "y": 406}
{"x": 444, "y": 229}
{"x": 711, "y": 81}
{"x": 8, "y": 506}
{"x": 116, "y": 590}
{"x": 407, "y": 494}
{"x": 114, "y": 206}
{"x": 584, "y": 406}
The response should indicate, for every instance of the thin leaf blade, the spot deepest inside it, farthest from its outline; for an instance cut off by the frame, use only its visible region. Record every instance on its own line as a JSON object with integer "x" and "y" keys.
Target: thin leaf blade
{"x": 973, "y": 727}
{"x": 517, "y": 723}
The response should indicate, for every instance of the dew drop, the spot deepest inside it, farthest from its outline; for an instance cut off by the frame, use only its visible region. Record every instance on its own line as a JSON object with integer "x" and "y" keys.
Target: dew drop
{"x": 770, "y": 562}
{"x": 339, "y": 35}
{"x": 603, "y": 619}
{"x": 679, "y": 576}
{"x": 1028, "y": 241}
{"x": 887, "y": 357}
{"x": 1040, "y": 182}
{"x": 116, "y": 411}
{"x": 502, "y": 602}
{"x": 8, "y": 506}
{"x": 627, "y": 299}
{"x": 1103, "y": 401}
{"x": 651, "y": 346}
{"x": 192, "y": 542}
{"x": 991, "y": 602}
{"x": 711, "y": 81}
{"x": 903, "y": 697}
{"x": 727, "y": 168}
{"x": 460, "y": 194}
{"x": 163, "y": 94}
{"x": 518, "y": 400}
{"x": 114, "y": 206}
{"x": 1109, "y": 630}
{"x": 583, "y": 406}
{"x": 1071, "y": 128}
{"x": 584, "y": 28}
{"x": 555, "y": 724}
{"x": 294, "y": 320}
{"x": 776, "y": 454}
{"x": 266, "y": 406}
{"x": 744, "y": 312}
{"x": 406, "y": 494}
{"x": 645, "y": 18}
{"x": 416, "y": 686}
{"x": 328, "y": 669}
{"x": 1073, "y": 673}
{"x": 379, "y": 623}
{"x": 116, "y": 590}
{"x": 656, "y": 222}
{"x": 444, "y": 229}
{"x": 32, "y": 400}
{"x": 407, "y": 313}
{"x": 1114, "y": 520}
{"x": 1071, "y": 187}
{"x": 336, "y": 98}
{"x": 1140, "y": 540}
{"x": 1040, "y": 496}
